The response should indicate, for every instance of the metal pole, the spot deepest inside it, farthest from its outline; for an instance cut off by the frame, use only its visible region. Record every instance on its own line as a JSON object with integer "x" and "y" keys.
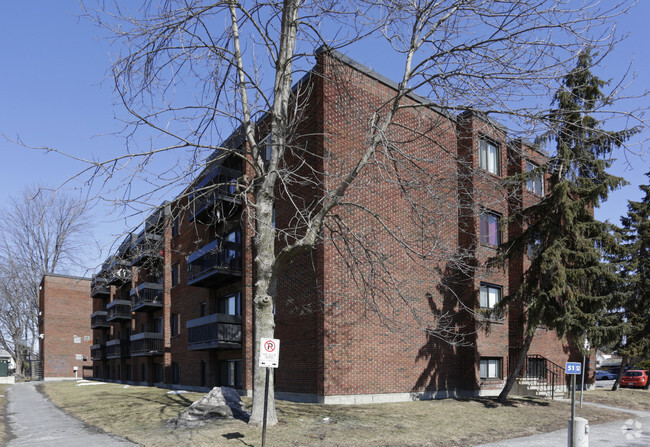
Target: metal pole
{"x": 582, "y": 387}
{"x": 266, "y": 404}
{"x": 573, "y": 408}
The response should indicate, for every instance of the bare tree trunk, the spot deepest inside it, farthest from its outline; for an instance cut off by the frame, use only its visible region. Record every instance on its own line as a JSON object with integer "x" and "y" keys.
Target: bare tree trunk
{"x": 512, "y": 377}
{"x": 617, "y": 382}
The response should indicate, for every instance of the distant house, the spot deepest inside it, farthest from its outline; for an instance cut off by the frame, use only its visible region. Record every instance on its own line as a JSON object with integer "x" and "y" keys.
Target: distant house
{"x": 607, "y": 360}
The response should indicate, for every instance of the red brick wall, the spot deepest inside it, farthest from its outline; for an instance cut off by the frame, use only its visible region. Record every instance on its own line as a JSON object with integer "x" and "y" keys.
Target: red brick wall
{"x": 65, "y": 307}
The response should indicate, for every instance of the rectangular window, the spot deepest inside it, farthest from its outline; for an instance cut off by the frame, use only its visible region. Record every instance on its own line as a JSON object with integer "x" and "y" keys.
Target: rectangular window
{"x": 490, "y": 296}
{"x": 491, "y": 368}
{"x": 230, "y": 373}
{"x": 176, "y": 373}
{"x": 230, "y": 304}
{"x": 490, "y": 157}
{"x": 535, "y": 183}
{"x": 175, "y": 274}
{"x": 175, "y": 227}
{"x": 203, "y": 311}
{"x": 490, "y": 228}
{"x": 158, "y": 325}
{"x": 174, "y": 323}
{"x": 204, "y": 372}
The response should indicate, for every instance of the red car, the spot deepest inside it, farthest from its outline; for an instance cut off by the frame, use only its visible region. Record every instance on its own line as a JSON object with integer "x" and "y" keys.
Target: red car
{"x": 635, "y": 377}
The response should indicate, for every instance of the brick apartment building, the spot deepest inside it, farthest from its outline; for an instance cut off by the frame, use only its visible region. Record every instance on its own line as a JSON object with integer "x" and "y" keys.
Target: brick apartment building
{"x": 173, "y": 305}
{"x": 64, "y": 330}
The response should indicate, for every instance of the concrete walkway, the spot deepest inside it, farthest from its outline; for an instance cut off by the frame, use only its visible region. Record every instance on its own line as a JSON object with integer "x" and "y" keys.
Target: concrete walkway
{"x": 624, "y": 433}
{"x": 35, "y": 421}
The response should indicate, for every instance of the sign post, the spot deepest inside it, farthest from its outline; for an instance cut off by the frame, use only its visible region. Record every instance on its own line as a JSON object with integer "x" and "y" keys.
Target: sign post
{"x": 584, "y": 367}
{"x": 269, "y": 358}
{"x": 573, "y": 369}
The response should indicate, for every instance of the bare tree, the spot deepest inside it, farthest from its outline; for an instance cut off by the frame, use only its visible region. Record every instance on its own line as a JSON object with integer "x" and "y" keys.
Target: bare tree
{"x": 42, "y": 232}
{"x": 192, "y": 69}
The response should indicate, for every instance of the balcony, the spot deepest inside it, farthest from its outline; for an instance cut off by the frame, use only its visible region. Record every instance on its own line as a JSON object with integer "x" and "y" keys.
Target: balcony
{"x": 99, "y": 288}
{"x": 146, "y": 248}
{"x": 220, "y": 184}
{"x": 217, "y": 262}
{"x": 97, "y": 352}
{"x": 118, "y": 310}
{"x": 119, "y": 271}
{"x": 147, "y": 297}
{"x": 216, "y": 331}
{"x": 98, "y": 320}
{"x": 146, "y": 344}
{"x": 116, "y": 349}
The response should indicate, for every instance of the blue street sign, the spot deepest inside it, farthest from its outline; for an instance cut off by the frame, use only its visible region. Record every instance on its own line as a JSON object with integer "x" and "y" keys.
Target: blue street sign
{"x": 573, "y": 367}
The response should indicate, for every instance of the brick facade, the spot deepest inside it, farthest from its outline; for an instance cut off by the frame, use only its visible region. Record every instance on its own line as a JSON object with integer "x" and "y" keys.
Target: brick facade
{"x": 337, "y": 345}
{"x": 65, "y": 336}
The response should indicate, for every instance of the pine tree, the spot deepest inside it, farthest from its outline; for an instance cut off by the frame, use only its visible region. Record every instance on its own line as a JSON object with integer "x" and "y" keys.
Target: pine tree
{"x": 567, "y": 287}
{"x": 634, "y": 262}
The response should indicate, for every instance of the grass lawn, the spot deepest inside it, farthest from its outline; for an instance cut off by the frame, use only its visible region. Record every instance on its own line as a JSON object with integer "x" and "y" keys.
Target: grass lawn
{"x": 632, "y": 398}
{"x": 140, "y": 413}
{"x": 3, "y": 402}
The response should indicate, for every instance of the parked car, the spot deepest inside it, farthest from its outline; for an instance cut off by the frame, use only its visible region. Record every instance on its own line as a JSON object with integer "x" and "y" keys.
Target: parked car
{"x": 604, "y": 375}
{"x": 635, "y": 377}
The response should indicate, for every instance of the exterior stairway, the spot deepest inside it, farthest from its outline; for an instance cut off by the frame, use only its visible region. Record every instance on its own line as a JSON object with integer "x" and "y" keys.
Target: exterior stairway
{"x": 541, "y": 378}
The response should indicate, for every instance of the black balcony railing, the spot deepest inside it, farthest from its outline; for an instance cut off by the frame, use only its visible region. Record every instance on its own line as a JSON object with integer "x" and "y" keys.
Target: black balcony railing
{"x": 146, "y": 343}
{"x": 216, "y": 331}
{"x": 97, "y": 352}
{"x": 119, "y": 272}
{"x": 98, "y": 319}
{"x": 146, "y": 248}
{"x": 217, "y": 262}
{"x": 220, "y": 184}
{"x": 146, "y": 297}
{"x": 118, "y": 310}
{"x": 99, "y": 288}
{"x": 116, "y": 349}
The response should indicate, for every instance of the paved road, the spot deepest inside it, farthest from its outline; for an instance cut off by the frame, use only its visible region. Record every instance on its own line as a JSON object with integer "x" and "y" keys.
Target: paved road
{"x": 624, "y": 433}
{"x": 35, "y": 421}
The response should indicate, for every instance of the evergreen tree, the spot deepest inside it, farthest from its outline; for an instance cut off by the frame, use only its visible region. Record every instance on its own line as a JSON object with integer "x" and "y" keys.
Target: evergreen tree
{"x": 567, "y": 287}
{"x": 634, "y": 262}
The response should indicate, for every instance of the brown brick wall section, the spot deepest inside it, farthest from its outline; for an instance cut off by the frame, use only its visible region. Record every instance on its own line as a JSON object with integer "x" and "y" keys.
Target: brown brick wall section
{"x": 66, "y": 309}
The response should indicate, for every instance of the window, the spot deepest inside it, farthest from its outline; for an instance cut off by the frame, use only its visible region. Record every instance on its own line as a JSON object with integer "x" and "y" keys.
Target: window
{"x": 175, "y": 227}
{"x": 176, "y": 373}
{"x": 204, "y": 372}
{"x": 490, "y": 158}
{"x": 490, "y": 228}
{"x": 490, "y": 296}
{"x": 203, "y": 309}
{"x": 175, "y": 278}
{"x": 230, "y": 373}
{"x": 174, "y": 324}
{"x": 158, "y": 325}
{"x": 490, "y": 368}
{"x": 535, "y": 183}
{"x": 230, "y": 304}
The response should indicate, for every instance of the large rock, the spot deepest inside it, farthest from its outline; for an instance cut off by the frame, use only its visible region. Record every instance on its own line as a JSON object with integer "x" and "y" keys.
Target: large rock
{"x": 219, "y": 403}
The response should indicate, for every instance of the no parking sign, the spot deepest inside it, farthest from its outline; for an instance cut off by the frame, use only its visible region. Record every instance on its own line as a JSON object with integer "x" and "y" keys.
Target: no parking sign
{"x": 269, "y": 352}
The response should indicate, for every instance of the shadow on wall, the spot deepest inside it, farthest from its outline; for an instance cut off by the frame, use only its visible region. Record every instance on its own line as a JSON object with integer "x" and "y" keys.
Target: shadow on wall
{"x": 448, "y": 343}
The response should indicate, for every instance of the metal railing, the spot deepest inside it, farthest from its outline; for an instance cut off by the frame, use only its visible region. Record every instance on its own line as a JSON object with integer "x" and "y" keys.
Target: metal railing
{"x": 544, "y": 373}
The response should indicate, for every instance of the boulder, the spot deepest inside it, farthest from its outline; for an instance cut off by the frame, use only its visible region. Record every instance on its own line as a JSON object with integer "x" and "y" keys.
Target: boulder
{"x": 219, "y": 403}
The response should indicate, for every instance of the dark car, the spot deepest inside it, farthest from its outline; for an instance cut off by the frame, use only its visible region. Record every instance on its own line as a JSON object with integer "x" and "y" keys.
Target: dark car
{"x": 635, "y": 378}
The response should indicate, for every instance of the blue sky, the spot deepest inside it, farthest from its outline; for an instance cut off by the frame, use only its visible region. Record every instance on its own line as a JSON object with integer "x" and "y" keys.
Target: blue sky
{"x": 55, "y": 92}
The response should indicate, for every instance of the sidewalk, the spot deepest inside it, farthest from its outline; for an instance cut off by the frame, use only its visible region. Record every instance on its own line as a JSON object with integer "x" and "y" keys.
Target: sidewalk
{"x": 624, "y": 433}
{"x": 34, "y": 421}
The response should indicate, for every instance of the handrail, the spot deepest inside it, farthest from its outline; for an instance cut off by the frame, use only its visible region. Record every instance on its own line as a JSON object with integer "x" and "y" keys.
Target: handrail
{"x": 540, "y": 369}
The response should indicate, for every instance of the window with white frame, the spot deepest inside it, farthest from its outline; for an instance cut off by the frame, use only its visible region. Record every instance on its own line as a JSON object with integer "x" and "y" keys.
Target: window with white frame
{"x": 490, "y": 295}
{"x": 491, "y": 368}
{"x": 490, "y": 157}
{"x": 490, "y": 228}
{"x": 535, "y": 182}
